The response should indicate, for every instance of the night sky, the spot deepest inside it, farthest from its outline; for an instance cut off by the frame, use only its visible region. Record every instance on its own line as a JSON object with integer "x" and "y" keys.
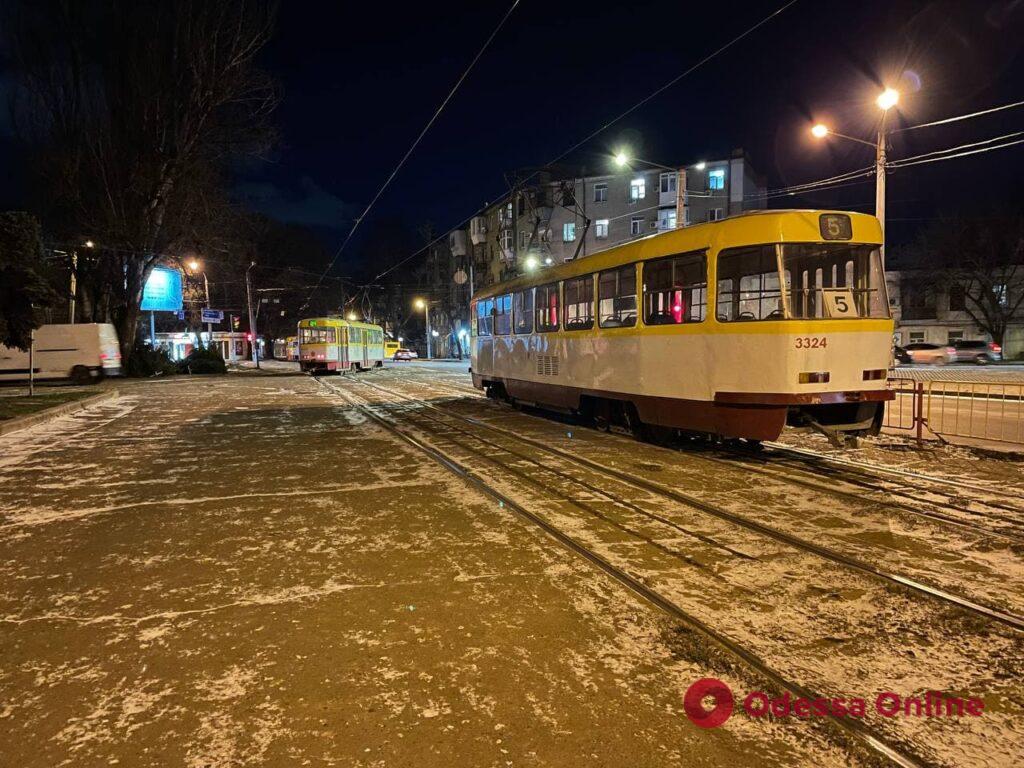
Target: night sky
{"x": 359, "y": 82}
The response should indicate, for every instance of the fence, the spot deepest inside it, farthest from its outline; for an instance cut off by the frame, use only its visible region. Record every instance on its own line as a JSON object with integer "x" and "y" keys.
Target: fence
{"x": 976, "y": 409}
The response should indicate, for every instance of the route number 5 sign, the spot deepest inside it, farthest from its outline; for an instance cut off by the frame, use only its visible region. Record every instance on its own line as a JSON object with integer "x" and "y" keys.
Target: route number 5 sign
{"x": 839, "y": 302}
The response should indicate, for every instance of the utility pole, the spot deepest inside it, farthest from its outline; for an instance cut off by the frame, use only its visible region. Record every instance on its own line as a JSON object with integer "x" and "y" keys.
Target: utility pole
{"x": 880, "y": 186}
{"x": 209, "y": 326}
{"x": 429, "y": 334}
{"x": 74, "y": 287}
{"x": 31, "y": 362}
{"x": 252, "y": 315}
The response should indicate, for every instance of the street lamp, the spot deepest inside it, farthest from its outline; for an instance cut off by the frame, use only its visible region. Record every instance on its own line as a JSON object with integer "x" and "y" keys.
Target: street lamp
{"x": 622, "y": 159}
{"x": 193, "y": 267}
{"x": 886, "y": 100}
{"x": 90, "y": 244}
{"x": 531, "y": 263}
{"x": 351, "y": 316}
{"x": 425, "y": 306}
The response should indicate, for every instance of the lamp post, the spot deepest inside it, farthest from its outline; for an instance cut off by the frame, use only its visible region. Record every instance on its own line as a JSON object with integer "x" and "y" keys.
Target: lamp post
{"x": 193, "y": 267}
{"x": 886, "y": 100}
{"x": 425, "y": 306}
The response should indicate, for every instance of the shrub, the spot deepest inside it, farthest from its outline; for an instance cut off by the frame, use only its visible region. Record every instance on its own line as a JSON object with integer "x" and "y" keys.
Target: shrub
{"x": 146, "y": 361}
{"x": 200, "y": 361}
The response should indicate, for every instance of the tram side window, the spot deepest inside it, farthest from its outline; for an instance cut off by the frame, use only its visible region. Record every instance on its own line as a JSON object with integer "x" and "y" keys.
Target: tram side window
{"x": 676, "y": 290}
{"x": 502, "y": 315}
{"x": 316, "y": 335}
{"x": 546, "y": 307}
{"x": 616, "y": 291}
{"x": 522, "y": 311}
{"x": 579, "y": 303}
{"x": 484, "y": 320}
{"x": 748, "y": 285}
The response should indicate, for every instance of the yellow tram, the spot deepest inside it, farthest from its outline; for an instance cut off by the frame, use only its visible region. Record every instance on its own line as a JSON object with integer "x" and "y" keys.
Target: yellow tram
{"x": 287, "y": 349}
{"x": 732, "y": 328}
{"x": 333, "y": 344}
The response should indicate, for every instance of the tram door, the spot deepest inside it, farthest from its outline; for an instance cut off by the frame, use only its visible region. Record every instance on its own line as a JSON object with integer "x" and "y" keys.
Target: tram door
{"x": 343, "y": 348}
{"x": 366, "y": 347}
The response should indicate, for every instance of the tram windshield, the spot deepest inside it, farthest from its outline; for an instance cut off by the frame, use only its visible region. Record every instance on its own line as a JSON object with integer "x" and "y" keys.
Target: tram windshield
{"x": 822, "y": 280}
{"x": 316, "y": 335}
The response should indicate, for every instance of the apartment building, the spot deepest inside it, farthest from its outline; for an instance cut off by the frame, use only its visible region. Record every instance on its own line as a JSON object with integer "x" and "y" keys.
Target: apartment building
{"x": 557, "y": 217}
{"x": 929, "y": 308}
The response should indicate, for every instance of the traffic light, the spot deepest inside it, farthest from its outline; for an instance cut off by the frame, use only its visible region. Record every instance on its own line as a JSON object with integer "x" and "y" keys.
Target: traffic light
{"x": 236, "y": 322}
{"x": 248, "y": 337}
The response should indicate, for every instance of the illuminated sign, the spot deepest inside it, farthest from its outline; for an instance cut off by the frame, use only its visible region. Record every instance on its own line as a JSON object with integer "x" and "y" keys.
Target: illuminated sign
{"x": 835, "y": 226}
{"x": 162, "y": 292}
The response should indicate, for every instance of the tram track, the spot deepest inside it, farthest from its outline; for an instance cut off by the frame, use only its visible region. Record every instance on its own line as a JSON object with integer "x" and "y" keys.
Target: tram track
{"x": 913, "y": 585}
{"x": 1007, "y": 528}
{"x": 865, "y": 735}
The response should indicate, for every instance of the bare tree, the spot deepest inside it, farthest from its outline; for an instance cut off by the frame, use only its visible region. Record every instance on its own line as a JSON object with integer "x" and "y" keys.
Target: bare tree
{"x": 134, "y": 108}
{"x": 985, "y": 257}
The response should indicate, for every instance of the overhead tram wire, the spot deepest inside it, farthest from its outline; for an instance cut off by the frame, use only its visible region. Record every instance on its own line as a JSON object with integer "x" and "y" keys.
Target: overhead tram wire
{"x": 945, "y": 154}
{"x": 959, "y": 117}
{"x": 437, "y": 113}
{"x": 604, "y": 127}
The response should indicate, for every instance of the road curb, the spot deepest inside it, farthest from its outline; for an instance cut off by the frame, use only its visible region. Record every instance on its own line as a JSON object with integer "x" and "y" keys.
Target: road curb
{"x": 40, "y": 417}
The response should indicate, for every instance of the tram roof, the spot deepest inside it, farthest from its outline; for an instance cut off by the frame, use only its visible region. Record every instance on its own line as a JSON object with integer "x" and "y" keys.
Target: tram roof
{"x": 335, "y": 322}
{"x": 748, "y": 228}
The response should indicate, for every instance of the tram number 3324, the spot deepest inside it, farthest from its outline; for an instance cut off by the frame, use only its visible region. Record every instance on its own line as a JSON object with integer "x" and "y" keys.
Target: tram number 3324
{"x": 811, "y": 342}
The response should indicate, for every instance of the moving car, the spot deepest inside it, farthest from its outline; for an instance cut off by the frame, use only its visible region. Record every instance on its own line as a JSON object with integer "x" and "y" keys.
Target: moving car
{"x": 84, "y": 353}
{"x": 901, "y": 355}
{"x": 978, "y": 351}
{"x": 930, "y": 354}
{"x": 405, "y": 354}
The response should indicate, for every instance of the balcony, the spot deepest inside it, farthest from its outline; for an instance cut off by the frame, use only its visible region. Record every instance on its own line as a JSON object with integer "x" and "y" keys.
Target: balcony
{"x": 457, "y": 242}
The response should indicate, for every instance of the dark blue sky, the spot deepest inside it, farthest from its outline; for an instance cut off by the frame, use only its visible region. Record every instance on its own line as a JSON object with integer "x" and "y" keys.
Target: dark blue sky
{"x": 360, "y": 81}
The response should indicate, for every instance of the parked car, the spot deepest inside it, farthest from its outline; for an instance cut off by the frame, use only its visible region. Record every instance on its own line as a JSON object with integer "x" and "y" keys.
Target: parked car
{"x": 900, "y": 355}
{"x": 84, "y": 353}
{"x": 979, "y": 352}
{"x": 405, "y": 354}
{"x": 930, "y": 354}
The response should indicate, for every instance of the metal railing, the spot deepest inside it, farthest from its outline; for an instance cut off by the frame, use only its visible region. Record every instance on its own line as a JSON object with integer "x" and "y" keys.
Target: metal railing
{"x": 974, "y": 409}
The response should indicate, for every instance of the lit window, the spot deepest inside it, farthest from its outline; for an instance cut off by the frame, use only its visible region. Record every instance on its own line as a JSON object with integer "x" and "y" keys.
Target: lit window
{"x": 506, "y": 240}
{"x": 636, "y": 225}
{"x": 667, "y": 218}
{"x": 568, "y": 231}
{"x": 667, "y": 183}
{"x": 716, "y": 179}
{"x": 601, "y": 228}
{"x": 637, "y": 190}
{"x": 675, "y": 290}
{"x": 617, "y": 297}
{"x": 600, "y": 193}
{"x": 579, "y": 303}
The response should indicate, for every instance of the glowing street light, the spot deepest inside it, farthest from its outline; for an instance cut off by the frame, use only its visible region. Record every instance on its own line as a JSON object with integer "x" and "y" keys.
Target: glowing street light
{"x": 193, "y": 265}
{"x": 701, "y": 165}
{"x": 531, "y": 263}
{"x": 621, "y": 159}
{"x": 351, "y": 316}
{"x": 90, "y": 244}
{"x": 425, "y": 306}
{"x": 888, "y": 99}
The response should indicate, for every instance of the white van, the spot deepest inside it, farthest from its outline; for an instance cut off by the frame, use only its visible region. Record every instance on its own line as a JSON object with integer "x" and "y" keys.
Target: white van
{"x": 83, "y": 352}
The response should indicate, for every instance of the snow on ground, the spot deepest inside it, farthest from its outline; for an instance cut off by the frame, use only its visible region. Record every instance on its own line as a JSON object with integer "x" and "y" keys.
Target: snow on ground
{"x": 240, "y": 571}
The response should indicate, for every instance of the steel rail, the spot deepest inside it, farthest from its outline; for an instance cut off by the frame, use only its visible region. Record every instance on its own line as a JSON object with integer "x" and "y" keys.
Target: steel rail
{"x": 863, "y": 733}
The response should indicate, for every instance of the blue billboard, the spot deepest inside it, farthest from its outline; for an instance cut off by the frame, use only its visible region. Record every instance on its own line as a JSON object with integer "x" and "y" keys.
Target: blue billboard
{"x": 162, "y": 292}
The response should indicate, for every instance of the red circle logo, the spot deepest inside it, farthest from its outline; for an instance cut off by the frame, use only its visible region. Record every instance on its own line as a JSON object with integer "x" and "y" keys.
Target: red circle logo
{"x": 693, "y": 703}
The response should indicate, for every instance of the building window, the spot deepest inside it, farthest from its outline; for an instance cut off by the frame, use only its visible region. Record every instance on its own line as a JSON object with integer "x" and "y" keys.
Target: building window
{"x": 954, "y": 336}
{"x": 502, "y": 315}
{"x": 524, "y": 205}
{"x": 506, "y": 241}
{"x": 716, "y": 179}
{"x": 667, "y": 218}
{"x": 600, "y": 193}
{"x": 957, "y": 298}
{"x": 637, "y": 190}
{"x": 916, "y": 337}
{"x": 546, "y": 307}
{"x": 524, "y": 240}
{"x": 636, "y": 225}
{"x": 616, "y": 291}
{"x": 1001, "y": 296}
{"x": 568, "y": 231}
{"x": 667, "y": 183}
{"x": 522, "y": 311}
{"x": 601, "y": 228}
{"x": 675, "y": 290}
{"x": 579, "y": 303}
{"x": 714, "y": 214}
